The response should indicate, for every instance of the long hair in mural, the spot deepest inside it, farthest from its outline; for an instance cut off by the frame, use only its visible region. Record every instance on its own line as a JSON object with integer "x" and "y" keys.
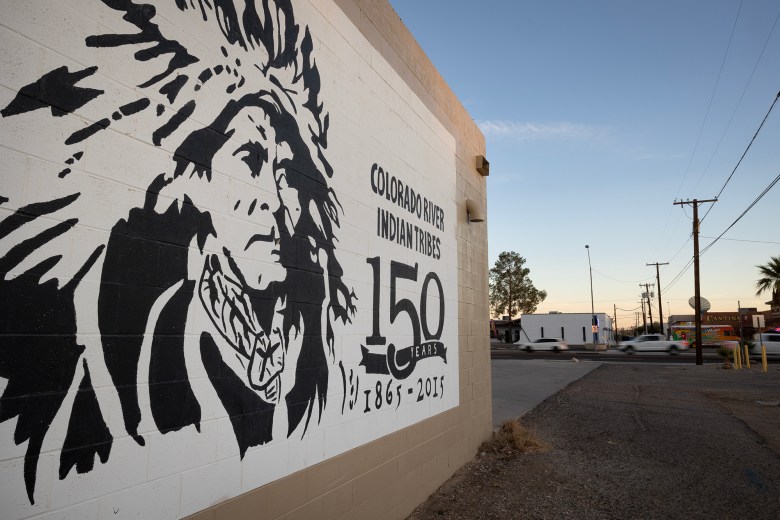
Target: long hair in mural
{"x": 223, "y": 271}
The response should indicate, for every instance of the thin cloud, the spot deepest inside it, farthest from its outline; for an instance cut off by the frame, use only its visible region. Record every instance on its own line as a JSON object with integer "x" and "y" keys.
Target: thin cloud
{"x": 526, "y": 131}
{"x": 648, "y": 156}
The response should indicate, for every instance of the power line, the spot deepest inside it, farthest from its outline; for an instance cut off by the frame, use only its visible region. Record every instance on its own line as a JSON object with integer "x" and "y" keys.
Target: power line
{"x": 696, "y": 283}
{"x": 690, "y": 262}
{"x": 690, "y": 236}
{"x": 746, "y": 240}
{"x": 739, "y": 102}
{"x": 677, "y": 277}
{"x": 660, "y": 304}
{"x": 685, "y": 267}
{"x": 719, "y": 237}
{"x": 712, "y": 96}
{"x": 760, "y": 196}
{"x": 621, "y": 281}
{"x": 665, "y": 226}
{"x": 745, "y": 152}
{"x": 680, "y": 274}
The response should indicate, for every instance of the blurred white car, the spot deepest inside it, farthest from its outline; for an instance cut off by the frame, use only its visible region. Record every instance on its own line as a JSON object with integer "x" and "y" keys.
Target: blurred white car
{"x": 653, "y": 342}
{"x": 553, "y": 344}
{"x": 771, "y": 341}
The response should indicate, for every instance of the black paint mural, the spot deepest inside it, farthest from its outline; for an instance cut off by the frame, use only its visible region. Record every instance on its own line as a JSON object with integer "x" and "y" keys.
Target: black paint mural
{"x": 270, "y": 296}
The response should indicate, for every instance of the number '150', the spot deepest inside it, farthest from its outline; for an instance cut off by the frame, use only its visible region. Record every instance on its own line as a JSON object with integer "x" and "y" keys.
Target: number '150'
{"x": 403, "y": 271}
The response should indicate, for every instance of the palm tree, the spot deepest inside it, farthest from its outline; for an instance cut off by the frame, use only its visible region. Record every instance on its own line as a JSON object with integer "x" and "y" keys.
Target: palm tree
{"x": 770, "y": 280}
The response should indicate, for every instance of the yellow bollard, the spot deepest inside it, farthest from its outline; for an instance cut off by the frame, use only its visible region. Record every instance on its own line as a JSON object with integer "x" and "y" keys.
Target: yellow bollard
{"x": 747, "y": 356}
{"x": 763, "y": 356}
{"x": 736, "y": 358}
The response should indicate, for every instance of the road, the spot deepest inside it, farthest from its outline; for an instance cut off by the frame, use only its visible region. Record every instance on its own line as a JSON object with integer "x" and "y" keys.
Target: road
{"x": 498, "y": 351}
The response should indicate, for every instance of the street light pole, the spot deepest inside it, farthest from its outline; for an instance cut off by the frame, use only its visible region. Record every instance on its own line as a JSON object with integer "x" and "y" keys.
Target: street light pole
{"x": 592, "y": 308}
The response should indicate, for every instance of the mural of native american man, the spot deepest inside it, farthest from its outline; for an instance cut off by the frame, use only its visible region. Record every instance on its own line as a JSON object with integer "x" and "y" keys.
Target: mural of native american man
{"x": 219, "y": 268}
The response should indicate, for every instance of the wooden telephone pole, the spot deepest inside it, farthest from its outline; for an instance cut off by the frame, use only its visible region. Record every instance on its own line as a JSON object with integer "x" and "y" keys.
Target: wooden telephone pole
{"x": 696, "y": 287}
{"x": 614, "y": 323}
{"x": 649, "y": 309}
{"x": 660, "y": 308}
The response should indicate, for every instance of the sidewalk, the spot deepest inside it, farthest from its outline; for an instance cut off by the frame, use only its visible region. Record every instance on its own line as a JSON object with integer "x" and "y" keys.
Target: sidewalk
{"x": 520, "y": 385}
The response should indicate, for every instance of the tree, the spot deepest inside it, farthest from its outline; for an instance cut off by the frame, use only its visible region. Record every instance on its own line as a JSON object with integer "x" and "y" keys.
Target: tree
{"x": 770, "y": 279}
{"x": 511, "y": 290}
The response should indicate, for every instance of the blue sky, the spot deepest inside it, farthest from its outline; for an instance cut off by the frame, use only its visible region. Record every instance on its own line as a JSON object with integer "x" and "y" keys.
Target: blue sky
{"x": 597, "y": 116}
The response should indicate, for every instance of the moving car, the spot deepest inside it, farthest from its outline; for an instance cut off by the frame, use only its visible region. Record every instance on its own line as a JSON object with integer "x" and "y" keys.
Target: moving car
{"x": 653, "y": 343}
{"x": 553, "y": 344}
{"x": 771, "y": 342}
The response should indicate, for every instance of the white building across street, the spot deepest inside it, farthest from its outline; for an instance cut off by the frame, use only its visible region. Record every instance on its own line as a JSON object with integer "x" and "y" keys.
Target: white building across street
{"x": 574, "y": 328}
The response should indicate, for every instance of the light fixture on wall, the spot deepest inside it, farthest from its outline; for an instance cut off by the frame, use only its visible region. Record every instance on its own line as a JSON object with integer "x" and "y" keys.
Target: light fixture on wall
{"x": 473, "y": 212}
{"x": 483, "y": 166}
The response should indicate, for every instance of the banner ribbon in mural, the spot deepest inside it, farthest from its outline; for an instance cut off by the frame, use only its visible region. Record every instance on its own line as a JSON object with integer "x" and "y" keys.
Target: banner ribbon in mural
{"x": 401, "y": 363}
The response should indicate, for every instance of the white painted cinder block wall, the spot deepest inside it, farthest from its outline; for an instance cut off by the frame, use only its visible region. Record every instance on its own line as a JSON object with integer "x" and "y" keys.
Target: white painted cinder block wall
{"x": 76, "y": 215}
{"x": 572, "y": 324}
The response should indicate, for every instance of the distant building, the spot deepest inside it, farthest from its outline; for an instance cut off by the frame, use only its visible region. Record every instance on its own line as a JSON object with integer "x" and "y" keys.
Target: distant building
{"x": 499, "y": 327}
{"x": 574, "y": 328}
{"x": 741, "y": 320}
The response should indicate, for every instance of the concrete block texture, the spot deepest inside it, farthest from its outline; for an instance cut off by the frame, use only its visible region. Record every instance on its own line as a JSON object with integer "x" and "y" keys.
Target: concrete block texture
{"x": 236, "y": 268}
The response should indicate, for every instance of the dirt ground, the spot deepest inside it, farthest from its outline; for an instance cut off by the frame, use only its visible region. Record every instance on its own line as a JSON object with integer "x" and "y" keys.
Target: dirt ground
{"x": 634, "y": 442}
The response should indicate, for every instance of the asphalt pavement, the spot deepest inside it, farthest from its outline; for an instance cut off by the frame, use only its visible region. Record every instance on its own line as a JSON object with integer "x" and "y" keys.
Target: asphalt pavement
{"x": 521, "y": 384}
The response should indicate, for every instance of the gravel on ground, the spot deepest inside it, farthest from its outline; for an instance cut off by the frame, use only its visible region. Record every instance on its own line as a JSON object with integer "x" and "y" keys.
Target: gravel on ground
{"x": 634, "y": 442}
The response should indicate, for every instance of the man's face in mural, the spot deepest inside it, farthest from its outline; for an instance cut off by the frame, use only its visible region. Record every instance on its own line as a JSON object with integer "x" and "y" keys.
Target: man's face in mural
{"x": 242, "y": 278}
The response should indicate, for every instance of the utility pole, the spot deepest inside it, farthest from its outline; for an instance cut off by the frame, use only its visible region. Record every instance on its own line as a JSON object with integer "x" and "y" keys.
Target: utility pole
{"x": 644, "y": 295}
{"x": 696, "y": 285}
{"x": 649, "y": 307}
{"x": 614, "y": 322}
{"x": 739, "y": 311}
{"x": 660, "y": 308}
